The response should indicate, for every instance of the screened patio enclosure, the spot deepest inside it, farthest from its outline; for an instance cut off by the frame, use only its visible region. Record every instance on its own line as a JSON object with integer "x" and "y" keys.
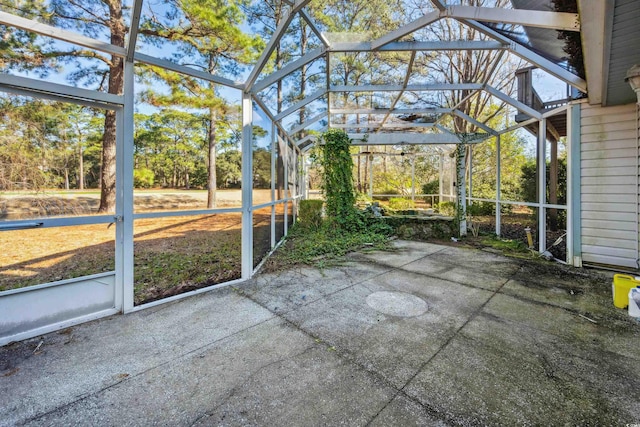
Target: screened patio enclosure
{"x": 394, "y": 78}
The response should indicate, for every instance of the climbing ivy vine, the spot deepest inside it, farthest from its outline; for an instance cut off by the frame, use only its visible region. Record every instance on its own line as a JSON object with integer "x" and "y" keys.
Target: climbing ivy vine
{"x": 337, "y": 179}
{"x": 461, "y": 224}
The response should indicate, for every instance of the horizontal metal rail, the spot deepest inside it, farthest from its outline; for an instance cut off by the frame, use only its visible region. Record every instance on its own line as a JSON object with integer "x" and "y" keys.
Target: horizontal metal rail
{"x": 20, "y": 225}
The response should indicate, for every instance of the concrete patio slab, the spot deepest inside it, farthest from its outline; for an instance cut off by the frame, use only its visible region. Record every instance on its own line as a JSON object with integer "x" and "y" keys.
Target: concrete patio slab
{"x": 424, "y": 335}
{"x": 406, "y": 252}
{"x": 84, "y": 360}
{"x": 457, "y": 273}
{"x": 305, "y": 285}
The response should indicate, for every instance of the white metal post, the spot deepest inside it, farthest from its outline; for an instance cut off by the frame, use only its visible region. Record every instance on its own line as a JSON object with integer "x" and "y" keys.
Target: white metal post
{"x": 441, "y": 179}
{"x": 370, "y": 159}
{"x": 124, "y": 189}
{"x": 305, "y": 177}
{"x": 247, "y": 187}
{"x": 461, "y": 192}
{"x": 274, "y": 177}
{"x": 574, "y": 199}
{"x": 498, "y": 190}
{"x": 287, "y": 192}
{"x": 413, "y": 179}
{"x": 470, "y": 176}
{"x": 542, "y": 185}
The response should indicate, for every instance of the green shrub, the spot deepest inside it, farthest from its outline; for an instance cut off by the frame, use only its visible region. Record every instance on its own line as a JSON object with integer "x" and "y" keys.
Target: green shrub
{"x": 487, "y": 208}
{"x": 310, "y": 213}
{"x": 432, "y": 187}
{"x": 399, "y": 203}
{"x": 143, "y": 178}
{"x": 447, "y": 208}
{"x": 481, "y": 209}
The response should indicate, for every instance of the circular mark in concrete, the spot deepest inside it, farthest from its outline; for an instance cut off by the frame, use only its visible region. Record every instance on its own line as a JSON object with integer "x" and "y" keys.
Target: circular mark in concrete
{"x": 399, "y": 304}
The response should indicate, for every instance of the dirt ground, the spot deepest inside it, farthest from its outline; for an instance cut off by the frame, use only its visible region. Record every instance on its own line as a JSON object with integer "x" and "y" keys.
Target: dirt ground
{"x": 512, "y": 227}
{"x": 171, "y": 255}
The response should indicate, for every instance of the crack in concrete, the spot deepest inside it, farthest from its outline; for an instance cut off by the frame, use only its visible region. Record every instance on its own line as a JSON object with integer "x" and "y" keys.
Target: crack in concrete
{"x": 239, "y": 387}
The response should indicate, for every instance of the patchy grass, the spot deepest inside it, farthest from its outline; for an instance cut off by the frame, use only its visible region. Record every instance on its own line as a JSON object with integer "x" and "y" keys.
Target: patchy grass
{"x": 171, "y": 254}
{"x": 505, "y": 245}
{"x": 321, "y": 246}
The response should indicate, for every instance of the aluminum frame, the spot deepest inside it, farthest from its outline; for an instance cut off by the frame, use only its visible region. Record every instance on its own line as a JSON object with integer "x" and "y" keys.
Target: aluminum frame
{"x": 124, "y": 107}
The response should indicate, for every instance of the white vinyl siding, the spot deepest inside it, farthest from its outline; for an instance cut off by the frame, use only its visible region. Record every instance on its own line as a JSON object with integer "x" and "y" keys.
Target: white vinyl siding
{"x": 609, "y": 185}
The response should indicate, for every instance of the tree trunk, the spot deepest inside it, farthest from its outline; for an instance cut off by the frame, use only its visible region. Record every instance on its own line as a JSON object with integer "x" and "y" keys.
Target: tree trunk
{"x": 116, "y": 85}
{"x": 211, "y": 179}
{"x": 108, "y": 164}
{"x": 80, "y": 169}
{"x": 174, "y": 177}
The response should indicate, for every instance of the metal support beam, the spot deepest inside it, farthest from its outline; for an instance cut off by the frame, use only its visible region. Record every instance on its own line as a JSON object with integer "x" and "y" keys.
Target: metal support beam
{"x": 328, "y": 85}
{"x": 59, "y": 34}
{"x": 498, "y": 183}
{"x": 314, "y": 27}
{"x": 528, "y": 18}
{"x": 517, "y": 104}
{"x": 275, "y": 40}
{"x": 461, "y": 187}
{"x": 439, "y": 4}
{"x": 531, "y": 57}
{"x": 58, "y": 91}
{"x": 387, "y": 110}
{"x": 54, "y": 97}
{"x": 379, "y": 125}
{"x": 264, "y": 108}
{"x": 306, "y": 139}
{"x": 273, "y": 172}
{"x": 574, "y": 198}
{"x": 443, "y": 129}
{"x": 398, "y": 138}
{"x": 441, "y": 178}
{"x": 517, "y": 126}
{"x": 470, "y": 175}
{"x": 124, "y": 190}
{"x": 416, "y": 46}
{"x": 542, "y": 186}
{"x": 475, "y": 122}
{"x": 308, "y": 123}
{"x": 168, "y": 65}
{"x": 287, "y": 69}
{"x": 408, "y": 88}
{"x": 285, "y": 184}
{"x": 133, "y": 29}
{"x": 247, "y": 187}
{"x": 298, "y": 105}
{"x": 421, "y": 22}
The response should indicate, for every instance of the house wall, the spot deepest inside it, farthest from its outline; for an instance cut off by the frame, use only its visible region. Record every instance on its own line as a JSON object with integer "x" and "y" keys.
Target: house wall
{"x": 609, "y": 185}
